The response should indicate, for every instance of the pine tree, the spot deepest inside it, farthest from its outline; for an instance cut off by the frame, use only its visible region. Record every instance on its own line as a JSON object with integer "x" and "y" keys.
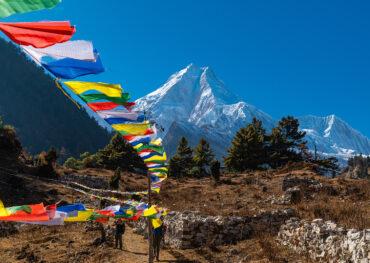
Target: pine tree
{"x": 182, "y": 162}
{"x": 286, "y": 143}
{"x": 247, "y": 149}
{"x": 118, "y": 153}
{"x": 203, "y": 156}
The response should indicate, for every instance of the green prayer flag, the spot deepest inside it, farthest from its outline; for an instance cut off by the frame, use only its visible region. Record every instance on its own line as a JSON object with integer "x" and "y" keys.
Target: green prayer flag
{"x": 10, "y": 7}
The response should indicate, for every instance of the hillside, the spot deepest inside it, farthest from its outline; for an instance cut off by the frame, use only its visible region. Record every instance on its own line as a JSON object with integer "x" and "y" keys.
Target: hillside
{"x": 341, "y": 200}
{"x": 41, "y": 114}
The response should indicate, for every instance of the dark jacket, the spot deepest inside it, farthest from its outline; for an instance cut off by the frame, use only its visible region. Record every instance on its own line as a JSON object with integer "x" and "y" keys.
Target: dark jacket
{"x": 120, "y": 228}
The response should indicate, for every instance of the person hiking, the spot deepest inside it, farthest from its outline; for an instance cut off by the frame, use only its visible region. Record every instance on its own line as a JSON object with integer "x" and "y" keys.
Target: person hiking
{"x": 119, "y": 231}
{"x": 158, "y": 237}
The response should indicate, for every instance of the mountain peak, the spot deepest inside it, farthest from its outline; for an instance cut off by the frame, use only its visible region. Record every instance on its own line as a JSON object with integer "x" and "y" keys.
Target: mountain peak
{"x": 194, "y": 103}
{"x": 195, "y": 95}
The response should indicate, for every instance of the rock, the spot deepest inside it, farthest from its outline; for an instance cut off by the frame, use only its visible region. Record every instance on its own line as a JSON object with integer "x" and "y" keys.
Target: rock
{"x": 191, "y": 230}
{"x": 292, "y": 196}
{"x": 290, "y": 182}
{"x": 325, "y": 241}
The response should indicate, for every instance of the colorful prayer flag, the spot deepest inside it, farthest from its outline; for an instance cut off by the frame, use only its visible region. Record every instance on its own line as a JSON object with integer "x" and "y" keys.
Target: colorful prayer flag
{"x": 69, "y": 68}
{"x": 80, "y": 87}
{"x": 38, "y": 34}
{"x": 78, "y": 49}
{"x": 133, "y": 129}
{"x": 10, "y": 7}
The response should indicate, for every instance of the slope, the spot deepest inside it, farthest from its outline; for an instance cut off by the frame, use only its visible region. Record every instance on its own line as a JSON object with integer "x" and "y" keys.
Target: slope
{"x": 42, "y": 115}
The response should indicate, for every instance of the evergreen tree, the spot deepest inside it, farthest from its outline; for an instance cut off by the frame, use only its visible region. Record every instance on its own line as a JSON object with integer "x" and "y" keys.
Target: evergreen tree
{"x": 286, "y": 143}
{"x": 118, "y": 153}
{"x": 247, "y": 149}
{"x": 182, "y": 162}
{"x": 203, "y": 156}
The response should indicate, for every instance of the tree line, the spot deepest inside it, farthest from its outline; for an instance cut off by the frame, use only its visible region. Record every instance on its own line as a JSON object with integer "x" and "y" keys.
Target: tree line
{"x": 252, "y": 148}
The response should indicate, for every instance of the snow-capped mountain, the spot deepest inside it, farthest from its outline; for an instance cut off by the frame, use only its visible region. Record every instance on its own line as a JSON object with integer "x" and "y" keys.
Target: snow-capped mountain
{"x": 194, "y": 103}
{"x": 333, "y": 136}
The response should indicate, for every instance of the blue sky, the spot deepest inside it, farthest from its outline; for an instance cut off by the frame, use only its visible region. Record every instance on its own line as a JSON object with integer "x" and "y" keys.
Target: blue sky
{"x": 285, "y": 57}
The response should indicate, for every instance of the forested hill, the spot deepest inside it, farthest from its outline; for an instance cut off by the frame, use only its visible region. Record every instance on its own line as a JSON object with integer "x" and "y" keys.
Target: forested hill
{"x": 41, "y": 114}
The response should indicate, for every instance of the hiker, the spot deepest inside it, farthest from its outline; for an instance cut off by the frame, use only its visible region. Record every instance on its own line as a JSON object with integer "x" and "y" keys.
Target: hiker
{"x": 120, "y": 230}
{"x": 158, "y": 236}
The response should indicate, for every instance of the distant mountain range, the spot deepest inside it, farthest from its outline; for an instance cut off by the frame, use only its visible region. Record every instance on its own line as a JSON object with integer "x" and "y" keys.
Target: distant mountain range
{"x": 194, "y": 103}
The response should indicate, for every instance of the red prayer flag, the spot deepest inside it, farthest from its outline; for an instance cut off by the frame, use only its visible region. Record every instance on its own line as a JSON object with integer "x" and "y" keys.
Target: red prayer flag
{"x": 38, "y": 213}
{"x": 100, "y": 106}
{"x": 38, "y": 34}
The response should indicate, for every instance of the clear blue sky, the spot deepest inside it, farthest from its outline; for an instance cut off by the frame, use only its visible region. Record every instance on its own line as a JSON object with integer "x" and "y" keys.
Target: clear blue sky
{"x": 285, "y": 57}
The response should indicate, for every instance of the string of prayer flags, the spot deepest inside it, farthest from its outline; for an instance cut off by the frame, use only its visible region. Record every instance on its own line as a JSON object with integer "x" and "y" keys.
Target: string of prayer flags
{"x": 48, "y": 44}
{"x": 51, "y": 215}
{"x": 38, "y": 34}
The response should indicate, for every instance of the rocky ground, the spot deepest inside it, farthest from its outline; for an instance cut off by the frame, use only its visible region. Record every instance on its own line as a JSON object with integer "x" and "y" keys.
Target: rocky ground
{"x": 344, "y": 201}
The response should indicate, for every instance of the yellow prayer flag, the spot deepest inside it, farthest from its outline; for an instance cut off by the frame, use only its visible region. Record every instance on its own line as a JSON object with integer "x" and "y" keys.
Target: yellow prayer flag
{"x": 157, "y": 158}
{"x": 157, "y": 142}
{"x": 111, "y": 90}
{"x": 3, "y": 211}
{"x": 132, "y": 128}
{"x": 150, "y": 211}
{"x": 82, "y": 216}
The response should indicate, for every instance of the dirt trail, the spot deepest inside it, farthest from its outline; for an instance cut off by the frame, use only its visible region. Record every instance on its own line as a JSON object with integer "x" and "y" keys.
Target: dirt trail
{"x": 72, "y": 243}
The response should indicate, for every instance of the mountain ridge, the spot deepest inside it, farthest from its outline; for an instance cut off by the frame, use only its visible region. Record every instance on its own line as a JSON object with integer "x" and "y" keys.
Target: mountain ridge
{"x": 194, "y": 103}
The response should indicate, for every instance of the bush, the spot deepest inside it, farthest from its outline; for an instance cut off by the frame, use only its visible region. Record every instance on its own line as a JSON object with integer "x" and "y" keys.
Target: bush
{"x": 45, "y": 163}
{"x": 72, "y": 163}
{"x": 9, "y": 143}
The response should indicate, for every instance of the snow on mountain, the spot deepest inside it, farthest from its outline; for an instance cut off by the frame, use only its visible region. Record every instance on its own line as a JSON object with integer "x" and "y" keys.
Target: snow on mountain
{"x": 333, "y": 136}
{"x": 194, "y": 103}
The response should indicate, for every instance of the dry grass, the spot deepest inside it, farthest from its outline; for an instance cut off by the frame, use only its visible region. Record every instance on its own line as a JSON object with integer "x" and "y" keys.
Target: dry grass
{"x": 344, "y": 201}
{"x": 263, "y": 248}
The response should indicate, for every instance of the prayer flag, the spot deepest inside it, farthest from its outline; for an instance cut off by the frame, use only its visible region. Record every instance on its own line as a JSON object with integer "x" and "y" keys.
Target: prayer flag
{"x": 81, "y": 87}
{"x": 133, "y": 129}
{"x": 69, "y": 68}
{"x": 10, "y": 7}
{"x": 78, "y": 49}
{"x": 38, "y": 34}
